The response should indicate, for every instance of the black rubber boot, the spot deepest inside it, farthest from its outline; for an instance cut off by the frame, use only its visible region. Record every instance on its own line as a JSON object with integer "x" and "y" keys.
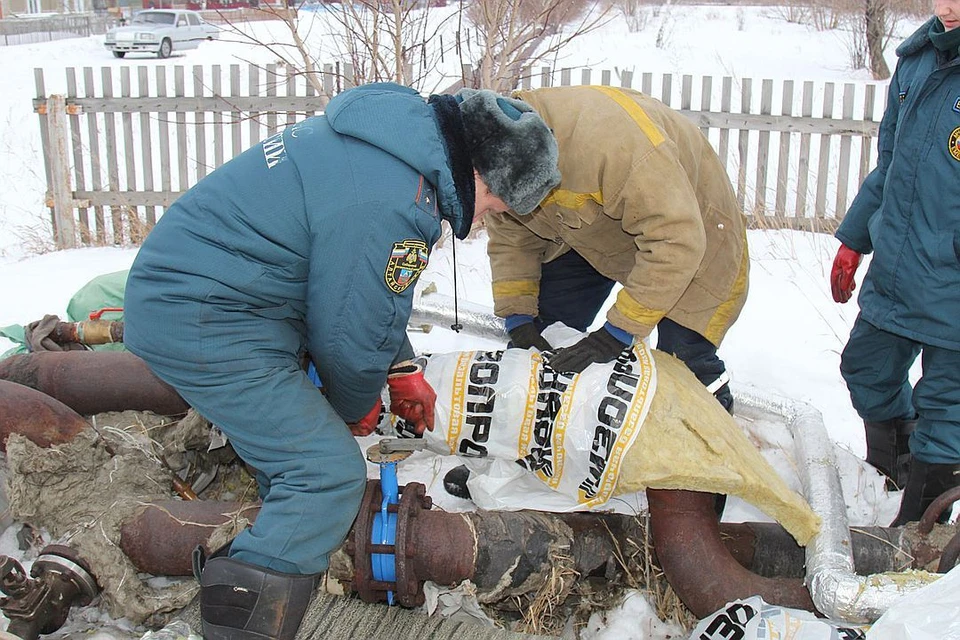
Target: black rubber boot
{"x": 240, "y": 601}
{"x": 455, "y": 482}
{"x": 888, "y": 449}
{"x": 200, "y": 557}
{"x": 926, "y": 483}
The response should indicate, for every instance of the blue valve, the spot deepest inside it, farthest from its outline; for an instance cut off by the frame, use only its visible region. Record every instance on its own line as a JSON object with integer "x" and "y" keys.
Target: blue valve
{"x": 384, "y": 530}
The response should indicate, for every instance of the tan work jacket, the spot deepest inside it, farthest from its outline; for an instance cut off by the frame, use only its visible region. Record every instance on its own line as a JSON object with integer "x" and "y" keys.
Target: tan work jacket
{"x": 644, "y": 199}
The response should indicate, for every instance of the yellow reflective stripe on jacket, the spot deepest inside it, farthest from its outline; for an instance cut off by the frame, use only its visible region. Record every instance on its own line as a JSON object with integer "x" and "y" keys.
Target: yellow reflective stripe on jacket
{"x": 720, "y": 322}
{"x": 637, "y": 113}
{"x": 509, "y": 288}
{"x": 636, "y": 312}
{"x": 571, "y": 199}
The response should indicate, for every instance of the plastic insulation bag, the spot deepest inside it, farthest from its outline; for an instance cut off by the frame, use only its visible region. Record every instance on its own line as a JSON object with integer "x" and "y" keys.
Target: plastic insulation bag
{"x": 566, "y": 433}
{"x": 754, "y": 619}
{"x": 930, "y": 613}
{"x": 534, "y": 438}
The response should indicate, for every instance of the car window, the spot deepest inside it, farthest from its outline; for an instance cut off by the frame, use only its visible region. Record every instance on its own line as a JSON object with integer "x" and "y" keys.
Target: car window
{"x": 182, "y": 21}
{"x": 154, "y": 17}
{"x": 194, "y": 21}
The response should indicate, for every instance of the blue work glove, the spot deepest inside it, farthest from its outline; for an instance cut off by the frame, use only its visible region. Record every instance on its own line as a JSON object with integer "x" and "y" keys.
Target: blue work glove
{"x": 524, "y": 334}
{"x": 600, "y": 346}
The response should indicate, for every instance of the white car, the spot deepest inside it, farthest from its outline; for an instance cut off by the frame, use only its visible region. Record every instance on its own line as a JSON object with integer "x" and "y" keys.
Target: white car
{"x": 161, "y": 32}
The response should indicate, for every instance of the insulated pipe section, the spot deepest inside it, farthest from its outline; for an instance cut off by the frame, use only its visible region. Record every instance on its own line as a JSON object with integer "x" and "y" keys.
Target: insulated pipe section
{"x": 91, "y": 382}
{"x": 837, "y": 591}
{"x": 42, "y": 419}
{"x": 435, "y": 309}
{"x": 686, "y": 536}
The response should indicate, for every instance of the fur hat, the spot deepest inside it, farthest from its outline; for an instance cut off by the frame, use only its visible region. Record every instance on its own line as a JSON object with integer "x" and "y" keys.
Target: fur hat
{"x": 512, "y": 148}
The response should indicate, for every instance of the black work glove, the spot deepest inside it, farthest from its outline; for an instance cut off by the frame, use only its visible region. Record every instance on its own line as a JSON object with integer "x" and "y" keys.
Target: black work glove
{"x": 599, "y": 346}
{"x": 527, "y": 335}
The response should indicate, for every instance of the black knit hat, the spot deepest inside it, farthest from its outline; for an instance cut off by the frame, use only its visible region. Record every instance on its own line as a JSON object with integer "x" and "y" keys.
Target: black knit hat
{"x": 512, "y": 148}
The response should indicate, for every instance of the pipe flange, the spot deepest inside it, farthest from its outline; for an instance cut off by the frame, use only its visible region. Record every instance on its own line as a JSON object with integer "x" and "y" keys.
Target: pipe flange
{"x": 64, "y": 561}
{"x": 413, "y": 498}
{"x": 360, "y": 547}
{"x": 407, "y": 589}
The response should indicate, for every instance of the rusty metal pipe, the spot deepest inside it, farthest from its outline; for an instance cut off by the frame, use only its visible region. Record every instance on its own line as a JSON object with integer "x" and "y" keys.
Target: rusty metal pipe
{"x": 942, "y": 503}
{"x": 43, "y": 420}
{"x": 161, "y": 536}
{"x": 88, "y": 332}
{"x": 708, "y": 563}
{"x": 91, "y": 382}
{"x": 686, "y": 537}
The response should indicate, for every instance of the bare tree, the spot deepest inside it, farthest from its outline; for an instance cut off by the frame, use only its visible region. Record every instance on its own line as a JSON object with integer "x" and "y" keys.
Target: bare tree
{"x": 296, "y": 55}
{"x": 390, "y": 40}
{"x": 381, "y": 40}
{"x": 513, "y": 34}
{"x": 878, "y": 31}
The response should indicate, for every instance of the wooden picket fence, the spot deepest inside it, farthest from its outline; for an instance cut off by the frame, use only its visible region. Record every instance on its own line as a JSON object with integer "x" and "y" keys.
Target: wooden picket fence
{"x": 121, "y": 144}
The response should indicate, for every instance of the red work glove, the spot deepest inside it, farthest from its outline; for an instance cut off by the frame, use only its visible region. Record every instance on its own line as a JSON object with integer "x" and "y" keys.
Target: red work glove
{"x": 845, "y": 266}
{"x": 411, "y": 396}
{"x": 368, "y": 423}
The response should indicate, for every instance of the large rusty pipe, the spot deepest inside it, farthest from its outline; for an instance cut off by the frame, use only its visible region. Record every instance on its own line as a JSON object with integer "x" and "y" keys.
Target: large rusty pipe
{"x": 91, "y": 382}
{"x": 499, "y": 551}
{"x": 43, "y": 420}
{"x": 503, "y": 553}
{"x": 159, "y": 539}
{"x": 701, "y": 570}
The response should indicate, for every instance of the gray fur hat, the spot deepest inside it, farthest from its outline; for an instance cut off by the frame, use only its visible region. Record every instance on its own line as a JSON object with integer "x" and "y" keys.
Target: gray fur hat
{"x": 512, "y": 148}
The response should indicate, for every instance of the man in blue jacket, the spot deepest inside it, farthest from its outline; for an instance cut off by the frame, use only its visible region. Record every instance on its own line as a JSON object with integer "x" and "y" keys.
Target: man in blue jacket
{"x": 310, "y": 243}
{"x": 908, "y": 214}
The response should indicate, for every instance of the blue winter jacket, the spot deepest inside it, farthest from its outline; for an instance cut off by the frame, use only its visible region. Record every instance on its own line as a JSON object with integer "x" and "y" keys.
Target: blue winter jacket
{"x": 311, "y": 240}
{"x": 908, "y": 209}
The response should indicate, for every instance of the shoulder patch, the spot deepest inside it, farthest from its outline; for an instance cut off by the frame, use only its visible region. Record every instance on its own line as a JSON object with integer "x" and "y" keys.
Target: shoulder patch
{"x": 955, "y": 144}
{"x": 956, "y": 105}
{"x": 407, "y": 260}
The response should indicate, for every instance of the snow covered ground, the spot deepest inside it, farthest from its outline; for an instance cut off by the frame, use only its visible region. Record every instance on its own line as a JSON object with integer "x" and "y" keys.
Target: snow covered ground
{"x": 787, "y": 341}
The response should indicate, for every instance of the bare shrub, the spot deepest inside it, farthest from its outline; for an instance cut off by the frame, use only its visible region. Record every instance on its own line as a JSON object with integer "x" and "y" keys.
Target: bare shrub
{"x": 827, "y": 16}
{"x": 915, "y": 8}
{"x": 388, "y": 40}
{"x": 794, "y": 11}
{"x": 636, "y": 13}
{"x": 513, "y": 34}
{"x": 382, "y": 40}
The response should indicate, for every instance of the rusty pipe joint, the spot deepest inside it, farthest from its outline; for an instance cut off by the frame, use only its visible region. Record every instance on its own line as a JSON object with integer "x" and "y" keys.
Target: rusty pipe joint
{"x": 39, "y": 604}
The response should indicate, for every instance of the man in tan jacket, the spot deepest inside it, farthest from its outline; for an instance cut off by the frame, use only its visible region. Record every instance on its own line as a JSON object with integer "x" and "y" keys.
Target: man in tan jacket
{"x": 645, "y": 202}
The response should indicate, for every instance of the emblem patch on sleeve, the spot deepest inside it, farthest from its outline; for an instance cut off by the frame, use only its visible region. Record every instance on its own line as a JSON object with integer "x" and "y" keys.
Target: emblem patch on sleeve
{"x": 955, "y": 144}
{"x": 407, "y": 260}
{"x": 956, "y": 105}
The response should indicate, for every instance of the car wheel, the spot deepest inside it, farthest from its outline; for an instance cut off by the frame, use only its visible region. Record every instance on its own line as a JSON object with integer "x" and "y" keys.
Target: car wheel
{"x": 119, "y": 54}
{"x": 166, "y": 47}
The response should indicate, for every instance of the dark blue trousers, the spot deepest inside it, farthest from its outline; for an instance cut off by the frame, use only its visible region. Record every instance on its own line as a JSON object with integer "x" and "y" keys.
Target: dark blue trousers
{"x": 572, "y": 292}
{"x": 876, "y": 364}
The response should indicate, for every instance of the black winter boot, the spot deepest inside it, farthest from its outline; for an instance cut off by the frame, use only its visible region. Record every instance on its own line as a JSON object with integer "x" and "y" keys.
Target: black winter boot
{"x": 888, "y": 449}
{"x": 926, "y": 483}
{"x": 240, "y": 601}
{"x": 455, "y": 482}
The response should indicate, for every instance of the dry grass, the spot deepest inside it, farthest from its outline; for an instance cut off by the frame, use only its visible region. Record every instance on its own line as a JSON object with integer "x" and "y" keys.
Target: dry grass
{"x": 546, "y": 614}
{"x": 641, "y": 573}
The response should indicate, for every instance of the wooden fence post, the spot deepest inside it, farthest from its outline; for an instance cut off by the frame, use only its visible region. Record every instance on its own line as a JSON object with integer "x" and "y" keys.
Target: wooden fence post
{"x": 66, "y": 228}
